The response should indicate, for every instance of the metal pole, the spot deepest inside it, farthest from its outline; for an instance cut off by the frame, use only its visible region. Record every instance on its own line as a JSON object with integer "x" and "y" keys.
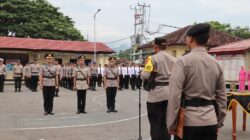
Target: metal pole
{"x": 95, "y": 34}
{"x": 140, "y": 137}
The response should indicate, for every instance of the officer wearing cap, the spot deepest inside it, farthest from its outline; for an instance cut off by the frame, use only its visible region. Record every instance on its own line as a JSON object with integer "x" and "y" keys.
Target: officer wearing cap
{"x": 198, "y": 78}
{"x": 81, "y": 76}
{"x": 111, "y": 83}
{"x": 94, "y": 74}
{"x": 48, "y": 83}
{"x": 2, "y": 74}
{"x": 18, "y": 74}
{"x": 35, "y": 69}
{"x": 59, "y": 69}
{"x": 158, "y": 69}
{"x": 27, "y": 75}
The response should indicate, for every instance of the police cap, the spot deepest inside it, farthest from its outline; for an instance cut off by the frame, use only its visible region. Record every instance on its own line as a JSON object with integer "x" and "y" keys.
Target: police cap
{"x": 81, "y": 57}
{"x": 111, "y": 58}
{"x": 198, "y": 29}
{"x": 49, "y": 55}
{"x": 160, "y": 41}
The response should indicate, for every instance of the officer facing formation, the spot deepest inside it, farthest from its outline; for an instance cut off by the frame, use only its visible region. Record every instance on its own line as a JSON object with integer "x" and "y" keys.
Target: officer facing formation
{"x": 48, "y": 83}
{"x": 199, "y": 80}
{"x": 158, "y": 69}
{"x": 81, "y": 76}
{"x": 111, "y": 82}
{"x": 18, "y": 74}
{"x": 2, "y": 74}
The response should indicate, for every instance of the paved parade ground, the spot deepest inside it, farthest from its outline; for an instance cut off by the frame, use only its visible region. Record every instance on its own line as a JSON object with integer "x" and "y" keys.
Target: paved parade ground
{"x": 21, "y": 117}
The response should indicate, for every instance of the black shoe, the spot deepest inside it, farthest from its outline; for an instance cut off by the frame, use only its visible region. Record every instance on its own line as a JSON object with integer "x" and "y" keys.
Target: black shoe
{"x": 84, "y": 112}
{"x": 52, "y": 113}
{"x": 15, "y": 90}
{"x": 19, "y": 90}
{"x": 45, "y": 113}
{"x": 109, "y": 111}
{"x": 115, "y": 111}
{"x": 78, "y": 112}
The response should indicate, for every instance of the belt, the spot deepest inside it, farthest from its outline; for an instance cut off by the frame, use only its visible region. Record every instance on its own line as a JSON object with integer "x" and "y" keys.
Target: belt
{"x": 161, "y": 83}
{"x": 81, "y": 79}
{"x": 18, "y": 73}
{"x": 198, "y": 102}
{"x": 111, "y": 78}
{"x": 49, "y": 77}
{"x": 34, "y": 72}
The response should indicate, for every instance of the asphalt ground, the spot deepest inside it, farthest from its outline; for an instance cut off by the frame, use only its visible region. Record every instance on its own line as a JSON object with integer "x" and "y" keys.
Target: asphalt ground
{"x": 21, "y": 117}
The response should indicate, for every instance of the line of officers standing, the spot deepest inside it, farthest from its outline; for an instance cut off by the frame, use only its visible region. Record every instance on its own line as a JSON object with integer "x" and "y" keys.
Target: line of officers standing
{"x": 194, "y": 81}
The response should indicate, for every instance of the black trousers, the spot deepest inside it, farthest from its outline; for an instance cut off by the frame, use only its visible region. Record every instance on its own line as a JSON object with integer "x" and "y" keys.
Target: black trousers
{"x": 200, "y": 132}
{"x": 120, "y": 81}
{"x": 99, "y": 80}
{"x": 126, "y": 81}
{"x": 81, "y": 100}
{"x": 138, "y": 82}
{"x": 18, "y": 82}
{"x": 93, "y": 80}
{"x": 133, "y": 81}
{"x": 111, "y": 94}
{"x": 34, "y": 82}
{"x": 157, "y": 119}
{"x": 48, "y": 97}
{"x": 2, "y": 79}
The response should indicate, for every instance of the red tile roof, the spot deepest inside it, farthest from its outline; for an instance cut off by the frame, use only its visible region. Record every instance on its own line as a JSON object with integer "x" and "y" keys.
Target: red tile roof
{"x": 232, "y": 47}
{"x": 52, "y": 45}
{"x": 177, "y": 37}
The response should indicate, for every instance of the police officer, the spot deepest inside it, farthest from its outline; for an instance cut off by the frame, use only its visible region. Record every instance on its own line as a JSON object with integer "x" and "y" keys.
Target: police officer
{"x": 160, "y": 65}
{"x": 120, "y": 77}
{"x": 100, "y": 73}
{"x": 18, "y": 74}
{"x": 133, "y": 76}
{"x": 81, "y": 79}
{"x": 59, "y": 69}
{"x": 111, "y": 81}
{"x": 198, "y": 78}
{"x": 2, "y": 74}
{"x": 126, "y": 76}
{"x": 48, "y": 83}
{"x": 93, "y": 79}
{"x": 27, "y": 75}
{"x": 35, "y": 69}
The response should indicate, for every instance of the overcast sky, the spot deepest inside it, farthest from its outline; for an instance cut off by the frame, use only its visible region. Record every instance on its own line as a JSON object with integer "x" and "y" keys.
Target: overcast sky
{"x": 115, "y": 21}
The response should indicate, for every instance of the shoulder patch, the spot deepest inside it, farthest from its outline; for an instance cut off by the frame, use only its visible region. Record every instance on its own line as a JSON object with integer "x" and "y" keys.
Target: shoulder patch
{"x": 148, "y": 64}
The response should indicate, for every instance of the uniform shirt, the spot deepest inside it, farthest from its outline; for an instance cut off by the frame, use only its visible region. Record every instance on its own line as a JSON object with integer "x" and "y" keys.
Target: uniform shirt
{"x": 59, "y": 69}
{"x": 49, "y": 71}
{"x": 94, "y": 71}
{"x": 64, "y": 72}
{"x": 18, "y": 70}
{"x": 35, "y": 69}
{"x": 70, "y": 71}
{"x": 100, "y": 70}
{"x": 2, "y": 69}
{"x": 81, "y": 73}
{"x": 109, "y": 74}
{"x": 132, "y": 71}
{"x": 26, "y": 71}
{"x": 162, "y": 63}
{"x": 197, "y": 75}
{"x": 125, "y": 71}
{"x": 120, "y": 70}
{"x": 137, "y": 70}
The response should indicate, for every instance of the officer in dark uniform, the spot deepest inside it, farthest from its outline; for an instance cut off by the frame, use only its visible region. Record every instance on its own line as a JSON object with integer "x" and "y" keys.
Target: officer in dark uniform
{"x": 49, "y": 83}
{"x": 158, "y": 67}
{"x": 111, "y": 83}
{"x": 2, "y": 74}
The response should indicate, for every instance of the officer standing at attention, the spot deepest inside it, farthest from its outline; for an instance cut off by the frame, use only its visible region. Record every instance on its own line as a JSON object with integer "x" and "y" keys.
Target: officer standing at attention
{"x": 27, "y": 75}
{"x": 198, "y": 78}
{"x": 111, "y": 83}
{"x": 48, "y": 83}
{"x": 18, "y": 74}
{"x": 2, "y": 74}
{"x": 94, "y": 74}
{"x": 81, "y": 84}
{"x": 160, "y": 65}
{"x": 35, "y": 69}
{"x": 100, "y": 73}
{"x": 59, "y": 69}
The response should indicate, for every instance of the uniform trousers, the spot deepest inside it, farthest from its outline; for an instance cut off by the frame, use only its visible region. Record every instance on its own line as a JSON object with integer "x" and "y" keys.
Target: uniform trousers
{"x": 48, "y": 97}
{"x": 157, "y": 119}
{"x": 18, "y": 82}
{"x": 34, "y": 82}
{"x": 126, "y": 81}
{"x": 99, "y": 80}
{"x": 2, "y": 78}
{"x": 93, "y": 80}
{"x": 121, "y": 81}
{"x": 133, "y": 81}
{"x": 200, "y": 132}
{"x": 81, "y": 100}
{"x": 111, "y": 94}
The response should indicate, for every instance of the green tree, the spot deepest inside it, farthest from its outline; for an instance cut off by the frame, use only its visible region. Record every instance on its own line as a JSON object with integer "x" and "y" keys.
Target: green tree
{"x": 241, "y": 32}
{"x": 35, "y": 19}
